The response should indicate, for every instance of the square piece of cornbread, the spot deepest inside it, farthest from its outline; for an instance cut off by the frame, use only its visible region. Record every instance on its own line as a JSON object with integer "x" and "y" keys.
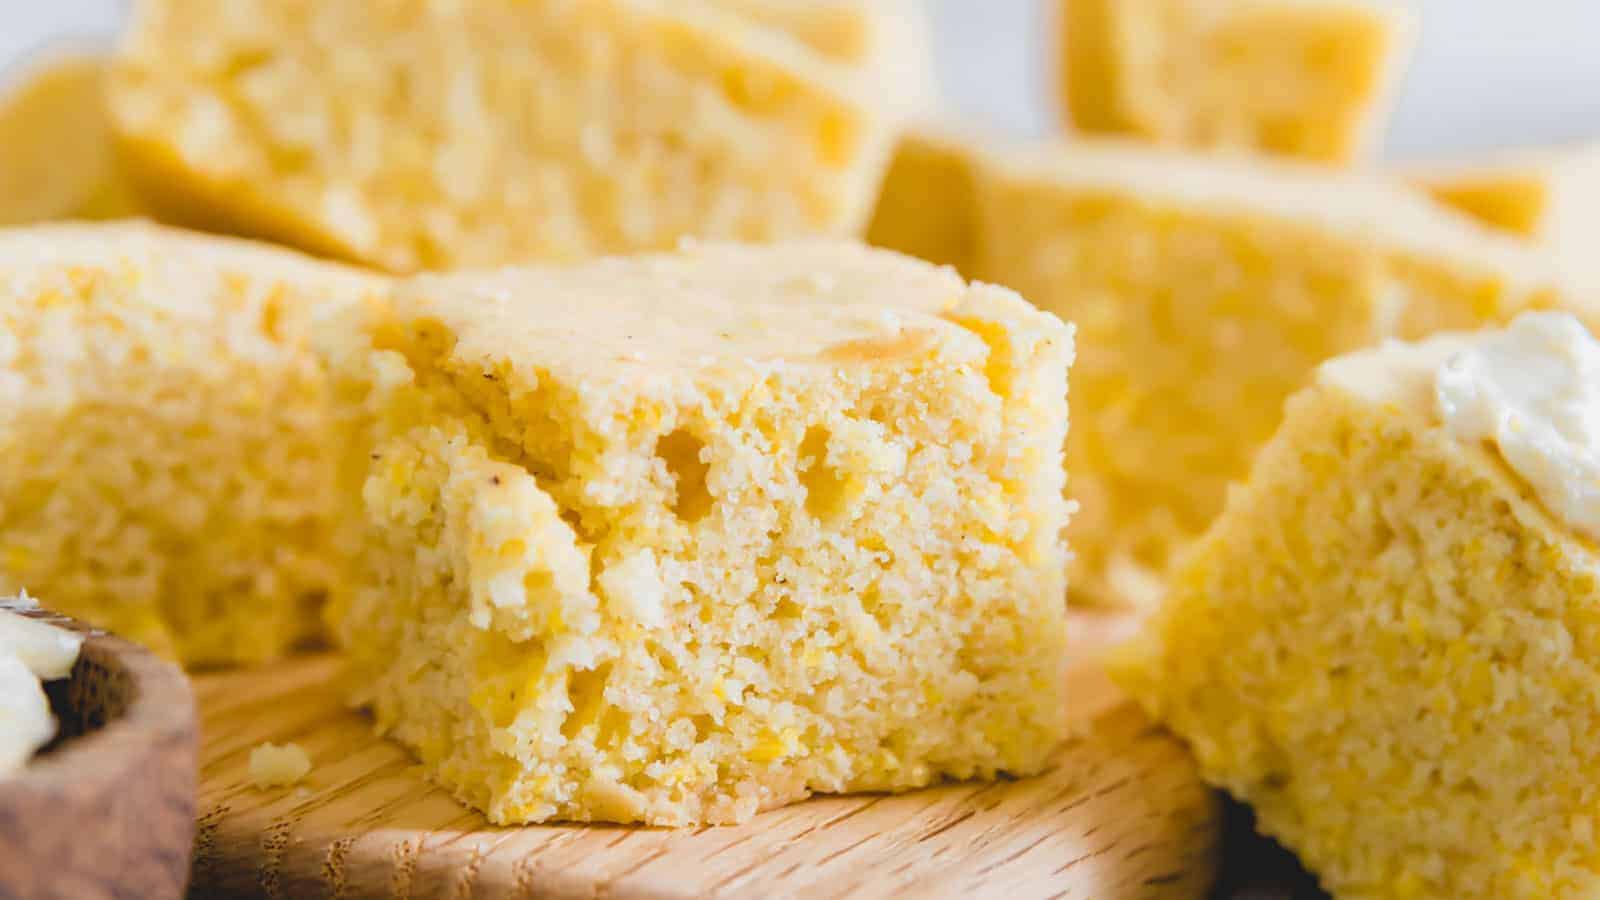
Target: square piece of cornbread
{"x": 1300, "y": 78}
{"x": 674, "y": 539}
{"x": 1205, "y": 291}
{"x": 1387, "y": 643}
{"x": 412, "y": 135}
{"x": 174, "y": 435}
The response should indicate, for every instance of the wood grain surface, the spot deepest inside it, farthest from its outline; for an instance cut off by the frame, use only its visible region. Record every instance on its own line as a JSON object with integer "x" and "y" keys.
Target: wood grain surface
{"x": 108, "y": 810}
{"x": 1121, "y": 814}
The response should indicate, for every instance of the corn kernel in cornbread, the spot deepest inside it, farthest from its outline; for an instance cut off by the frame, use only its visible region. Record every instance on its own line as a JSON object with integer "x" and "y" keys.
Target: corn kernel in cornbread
{"x": 1387, "y": 645}
{"x": 1551, "y": 197}
{"x": 1299, "y": 78}
{"x": 888, "y": 43}
{"x": 170, "y": 436}
{"x": 1205, "y": 291}
{"x": 674, "y": 539}
{"x": 57, "y": 156}
{"x": 415, "y": 135}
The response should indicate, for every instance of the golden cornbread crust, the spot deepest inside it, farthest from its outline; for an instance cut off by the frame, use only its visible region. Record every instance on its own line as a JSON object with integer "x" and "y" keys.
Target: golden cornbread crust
{"x": 170, "y": 436}
{"x": 675, "y": 539}
{"x": 1387, "y": 647}
{"x": 1297, "y": 78}
{"x": 414, "y": 135}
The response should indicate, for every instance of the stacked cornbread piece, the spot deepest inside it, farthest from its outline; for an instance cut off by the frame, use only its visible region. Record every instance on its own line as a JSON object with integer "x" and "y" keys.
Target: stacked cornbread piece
{"x": 1207, "y": 290}
{"x": 1387, "y": 642}
{"x": 409, "y": 135}
{"x": 669, "y": 539}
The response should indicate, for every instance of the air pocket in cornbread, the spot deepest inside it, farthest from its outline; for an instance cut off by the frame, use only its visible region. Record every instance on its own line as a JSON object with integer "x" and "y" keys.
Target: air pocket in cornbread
{"x": 1389, "y": 642}
{"x": 414, "y": 135}
{"x": 171, "y": 435}
{"x": 1299, "y": 78}
{"x": 673, "y": 539}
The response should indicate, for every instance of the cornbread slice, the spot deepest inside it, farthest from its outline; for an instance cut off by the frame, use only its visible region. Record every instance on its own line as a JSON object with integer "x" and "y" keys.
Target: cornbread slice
{"x": 1387, "y": 645}
{"x": 887, "y": 42}
{"x": 57, "y": 156}
{"x": 1549, "y": 196}
{"x": 673, "y": 539}
{"x": 171, "y": 438}
{"x": 1299, "y": 78}
{"x": 928, "y": 206}
{"x": 1206, "y": 290}
{"x": 416, "y": 135}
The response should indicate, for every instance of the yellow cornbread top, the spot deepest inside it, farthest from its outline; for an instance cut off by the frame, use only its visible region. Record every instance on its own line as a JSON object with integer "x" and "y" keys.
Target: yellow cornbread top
{"x": 813, "y": 303}
{"x": 57, "y": 157}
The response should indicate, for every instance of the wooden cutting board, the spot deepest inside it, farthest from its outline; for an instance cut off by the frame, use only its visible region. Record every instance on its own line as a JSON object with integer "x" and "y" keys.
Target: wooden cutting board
{"x": 1121, "y": 814}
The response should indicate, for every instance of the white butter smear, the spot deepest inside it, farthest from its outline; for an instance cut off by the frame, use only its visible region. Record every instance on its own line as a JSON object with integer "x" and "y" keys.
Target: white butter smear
{"x": 31, "y": 652}
{"x": 1533, "y": 390}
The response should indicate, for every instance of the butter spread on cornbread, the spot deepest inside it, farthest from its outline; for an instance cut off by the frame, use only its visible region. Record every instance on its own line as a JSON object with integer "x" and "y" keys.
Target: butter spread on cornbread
{"x": 673, "y": 539}
{"x": 410, "y": 135}
{"x": 1206, "y": 291}
{"x": 273, "y": 765}
{"x": 1299, "y": 78}
{"x": 1387, "y": 642}
{"x": 173, "y": 438}
{"x": 31, "y": 652}
{"x": 1533, "y": 391}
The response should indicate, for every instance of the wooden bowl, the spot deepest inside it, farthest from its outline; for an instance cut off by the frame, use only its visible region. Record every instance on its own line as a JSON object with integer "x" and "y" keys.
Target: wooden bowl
{"x": 107, "y": 810}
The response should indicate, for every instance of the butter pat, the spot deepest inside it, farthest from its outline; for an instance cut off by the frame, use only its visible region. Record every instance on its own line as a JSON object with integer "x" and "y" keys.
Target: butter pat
{"x": 274, "y": 766}
{"x": 30, "y": 650}
{"x": 1533, "y": 390}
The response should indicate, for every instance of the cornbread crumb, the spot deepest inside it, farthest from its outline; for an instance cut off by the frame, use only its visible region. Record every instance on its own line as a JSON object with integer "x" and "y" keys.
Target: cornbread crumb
{"x": 171, "y": 438}
{"x": 1206, "y": 290}
{"x": 57, "y": 156}
{"x": 1386, "y": 645}
{"x": 673, "y": 539}
{"x": 411, "y": 135}
{"x": 1297, "y": 78}
{"x": 273, "y": 766}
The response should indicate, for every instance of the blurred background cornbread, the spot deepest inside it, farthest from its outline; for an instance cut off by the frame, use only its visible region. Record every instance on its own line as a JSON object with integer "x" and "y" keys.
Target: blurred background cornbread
{"x": 171, "y": 433}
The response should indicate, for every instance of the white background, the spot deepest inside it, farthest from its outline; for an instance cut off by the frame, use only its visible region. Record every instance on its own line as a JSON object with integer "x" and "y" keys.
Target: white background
{"x": 1485, "y": 73}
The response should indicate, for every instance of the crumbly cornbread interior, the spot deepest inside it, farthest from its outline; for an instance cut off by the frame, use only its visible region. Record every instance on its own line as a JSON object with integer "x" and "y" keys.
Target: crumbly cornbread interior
{"x": 1387, "y": 647}
{"x": 675, "y": 539}
{"x": 171, "y": 436}
{"x": 415, "y": 135}
{"x": 1284, "y": 77}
